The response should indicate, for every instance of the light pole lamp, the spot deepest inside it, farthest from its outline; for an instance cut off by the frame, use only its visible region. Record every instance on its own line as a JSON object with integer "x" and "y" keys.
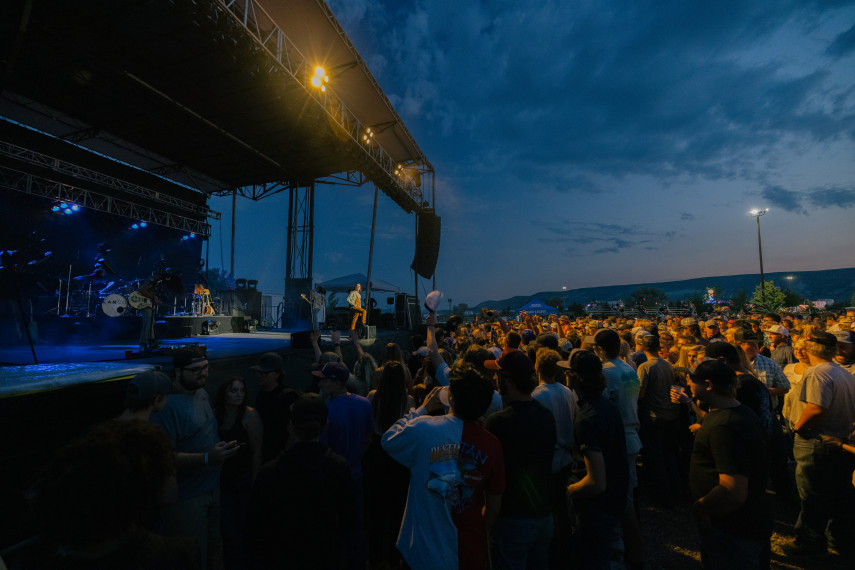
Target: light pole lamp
{"x": 757, "y": 213}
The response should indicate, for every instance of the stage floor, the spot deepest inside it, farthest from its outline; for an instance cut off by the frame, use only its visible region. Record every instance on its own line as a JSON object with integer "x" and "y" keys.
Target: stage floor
{"x": 64, "y": 365}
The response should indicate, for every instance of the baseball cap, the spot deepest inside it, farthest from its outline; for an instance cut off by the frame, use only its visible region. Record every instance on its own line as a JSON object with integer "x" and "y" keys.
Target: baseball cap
{"x": 268, "y": 362}
{"x": 335, "y": 371}
{"x": 148, "y": 385}
{"x": 528, "y": 335}
{"x": 514, "y": 362}
{"x": 745, "y": 335}
{"x": 187, "y": 356}
{"x": 845, "y": 336}
{"x": 778, "y": 329}
{"x": 823, "y": 338}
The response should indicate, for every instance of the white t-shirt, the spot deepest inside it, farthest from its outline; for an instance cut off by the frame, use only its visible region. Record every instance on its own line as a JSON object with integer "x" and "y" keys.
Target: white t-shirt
{"x": 561, "y": 401}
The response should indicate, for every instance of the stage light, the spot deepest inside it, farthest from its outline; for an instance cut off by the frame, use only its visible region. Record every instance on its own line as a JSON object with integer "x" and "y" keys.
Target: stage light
{"x": 67, "y": 211}
{"x": 192, "y": 235}
{"x": 75, "y": 207}
{"x": 143, "y": 224}
{"x": 63, "y": 205}
{"x": 135, "y": 226}
{"x": 55, "y": 209}
{"x": 320, "y": 78}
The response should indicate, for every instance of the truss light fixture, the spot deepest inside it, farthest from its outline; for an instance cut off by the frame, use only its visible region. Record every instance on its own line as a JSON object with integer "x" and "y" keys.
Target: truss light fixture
{"x": 368, "y": 136}
{"x": 320, "y": 79}
{"x": 143, "y": 224}
{"x": 135, "y": 226}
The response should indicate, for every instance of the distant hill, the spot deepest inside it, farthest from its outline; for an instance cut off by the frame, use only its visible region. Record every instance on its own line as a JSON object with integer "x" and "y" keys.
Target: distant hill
{"x": 837, "y": 284}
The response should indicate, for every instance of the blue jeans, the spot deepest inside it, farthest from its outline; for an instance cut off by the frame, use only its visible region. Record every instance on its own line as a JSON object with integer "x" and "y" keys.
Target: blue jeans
{"x": 824, "y": 480}
{"x": 521, "y": 543}
{"x": 722, "y": 550}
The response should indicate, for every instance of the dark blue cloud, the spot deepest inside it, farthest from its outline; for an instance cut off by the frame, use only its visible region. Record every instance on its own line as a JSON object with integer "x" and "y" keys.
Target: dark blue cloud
{"x": 833, "y": 197}
{"x": 843, "y": 44}
{"x": 687, "y": 217}
{"x": 784, "y": 199}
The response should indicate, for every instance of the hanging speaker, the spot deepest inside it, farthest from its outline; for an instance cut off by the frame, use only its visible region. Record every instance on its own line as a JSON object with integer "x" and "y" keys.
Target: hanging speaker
{"x": 427, "y": 244}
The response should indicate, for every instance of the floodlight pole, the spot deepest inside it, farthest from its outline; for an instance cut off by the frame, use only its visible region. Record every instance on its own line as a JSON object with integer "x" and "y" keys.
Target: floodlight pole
{"x": 757, "y": 214}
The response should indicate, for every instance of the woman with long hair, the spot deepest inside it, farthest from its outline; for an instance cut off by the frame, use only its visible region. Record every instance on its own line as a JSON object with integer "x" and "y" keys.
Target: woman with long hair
{"x": 386, "y": 480}
{"x": 237, "y": 422}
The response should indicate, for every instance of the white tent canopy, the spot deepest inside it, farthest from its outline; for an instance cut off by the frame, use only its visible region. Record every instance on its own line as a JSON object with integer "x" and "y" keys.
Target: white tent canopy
{"x": 347, "y": 282}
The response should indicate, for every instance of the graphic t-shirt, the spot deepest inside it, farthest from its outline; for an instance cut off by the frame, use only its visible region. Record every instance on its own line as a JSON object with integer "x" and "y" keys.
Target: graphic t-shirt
{"x": 452, "y": 463}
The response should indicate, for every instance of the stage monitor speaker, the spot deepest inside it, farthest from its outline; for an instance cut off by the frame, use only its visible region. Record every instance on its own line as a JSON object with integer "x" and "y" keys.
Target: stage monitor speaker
{"x": 368, "y": 332}
{"x": 427, "y": 244}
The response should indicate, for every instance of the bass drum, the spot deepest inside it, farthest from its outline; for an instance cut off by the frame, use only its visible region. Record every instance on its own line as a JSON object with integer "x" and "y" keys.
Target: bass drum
{"x": 114, "y": 305}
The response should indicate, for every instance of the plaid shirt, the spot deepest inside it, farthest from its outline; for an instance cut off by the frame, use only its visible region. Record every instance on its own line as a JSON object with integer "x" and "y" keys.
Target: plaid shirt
{"x": 770, "y": 374}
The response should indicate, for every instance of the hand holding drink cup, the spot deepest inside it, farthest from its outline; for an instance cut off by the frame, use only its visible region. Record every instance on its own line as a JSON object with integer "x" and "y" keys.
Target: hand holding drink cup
{"x": 678, "y": 395}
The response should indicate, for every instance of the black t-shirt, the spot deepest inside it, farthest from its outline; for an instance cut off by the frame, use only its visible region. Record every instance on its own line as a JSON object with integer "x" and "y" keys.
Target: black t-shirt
{"x": 527, "y": 433}
{"x": 731, "y": 441}
{"x": 301, "y": 510}
{"x": 598, "y": 427}
{"x": 274, "y": 407}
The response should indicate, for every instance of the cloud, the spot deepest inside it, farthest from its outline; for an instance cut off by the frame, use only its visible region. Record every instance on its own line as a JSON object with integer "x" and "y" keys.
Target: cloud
{"x": 599, "y": 237}
{"x": 786, "y": 200}
{"x": 686, "y": 216}
{"x": 833, "y": 197}
{"x": 671, "y": 92}
{"x": 843, "y": 44}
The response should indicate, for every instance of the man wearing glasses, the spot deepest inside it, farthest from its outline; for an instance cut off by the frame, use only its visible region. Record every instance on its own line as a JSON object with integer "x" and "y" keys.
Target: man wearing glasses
{"x": 190, "y": 423}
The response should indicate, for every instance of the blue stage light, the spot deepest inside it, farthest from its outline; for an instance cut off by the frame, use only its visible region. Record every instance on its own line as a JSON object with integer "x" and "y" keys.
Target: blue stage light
{"x": 55, "y": 209}
{"x": 67, "y": 210}
{"x": 192, "y": 235}
{"x": 185, "y": 237}
{"x": 135, "y": 226}
{"x": 75, "y": 207}
{"x": 143, "y": 224}
{"x": 63, "y": 205}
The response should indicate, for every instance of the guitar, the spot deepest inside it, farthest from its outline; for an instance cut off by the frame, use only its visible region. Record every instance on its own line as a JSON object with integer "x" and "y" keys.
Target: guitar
{"x": 139, "y": 301}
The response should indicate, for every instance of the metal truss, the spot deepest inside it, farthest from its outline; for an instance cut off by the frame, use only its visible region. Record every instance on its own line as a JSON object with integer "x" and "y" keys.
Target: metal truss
{"x": 60, "y": 166}
{"x": 255, "y": 20}
{"x": 38, "y": 186}
{"x": 301, "y": 229}
{"x": 256, "y": 191}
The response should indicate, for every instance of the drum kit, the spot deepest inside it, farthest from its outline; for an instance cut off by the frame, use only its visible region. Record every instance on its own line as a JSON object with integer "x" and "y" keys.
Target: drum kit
{"x": 80, "y": 296}
{"x": 123, "y": 299}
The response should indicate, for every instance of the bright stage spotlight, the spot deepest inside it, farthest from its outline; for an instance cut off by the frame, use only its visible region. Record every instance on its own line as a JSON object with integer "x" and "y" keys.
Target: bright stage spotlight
{"x": 55, "y": 209}
{"x": 143, "y": 224}
{"x": 74, "y": 207}
{"x": 67, "y": 211}
{"x": 63, "y": 205}
{"x": 320, "y": 78}
{"x": 135, "y": 226}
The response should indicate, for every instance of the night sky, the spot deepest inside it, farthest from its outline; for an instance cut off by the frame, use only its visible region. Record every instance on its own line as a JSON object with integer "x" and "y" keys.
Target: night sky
{"x": 594, "y": 143}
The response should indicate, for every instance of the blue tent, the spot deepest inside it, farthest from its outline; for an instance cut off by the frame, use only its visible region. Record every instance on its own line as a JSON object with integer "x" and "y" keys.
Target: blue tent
{"x": 537, "y": 307}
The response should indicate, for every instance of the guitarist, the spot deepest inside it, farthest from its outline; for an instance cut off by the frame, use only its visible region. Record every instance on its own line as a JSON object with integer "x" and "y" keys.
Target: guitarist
{"x": 317, "y": 299}
{"x": 153, "y": 288}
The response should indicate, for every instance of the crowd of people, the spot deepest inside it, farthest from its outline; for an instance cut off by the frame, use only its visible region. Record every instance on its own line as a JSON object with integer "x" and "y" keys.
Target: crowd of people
{"x": 503, "y": 444}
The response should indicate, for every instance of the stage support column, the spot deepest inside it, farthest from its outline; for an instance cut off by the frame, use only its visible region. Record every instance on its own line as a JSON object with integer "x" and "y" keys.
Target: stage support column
{"x": 298, "y": 269}
{"x": 370, "y": 259}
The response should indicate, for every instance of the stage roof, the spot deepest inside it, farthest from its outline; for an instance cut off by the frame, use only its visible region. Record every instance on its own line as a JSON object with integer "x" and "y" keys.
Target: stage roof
{"x": 213, "y": 95}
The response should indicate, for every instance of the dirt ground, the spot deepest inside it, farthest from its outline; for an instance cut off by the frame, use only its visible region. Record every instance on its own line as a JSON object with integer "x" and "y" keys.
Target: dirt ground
{"x": 671, "y": 539}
